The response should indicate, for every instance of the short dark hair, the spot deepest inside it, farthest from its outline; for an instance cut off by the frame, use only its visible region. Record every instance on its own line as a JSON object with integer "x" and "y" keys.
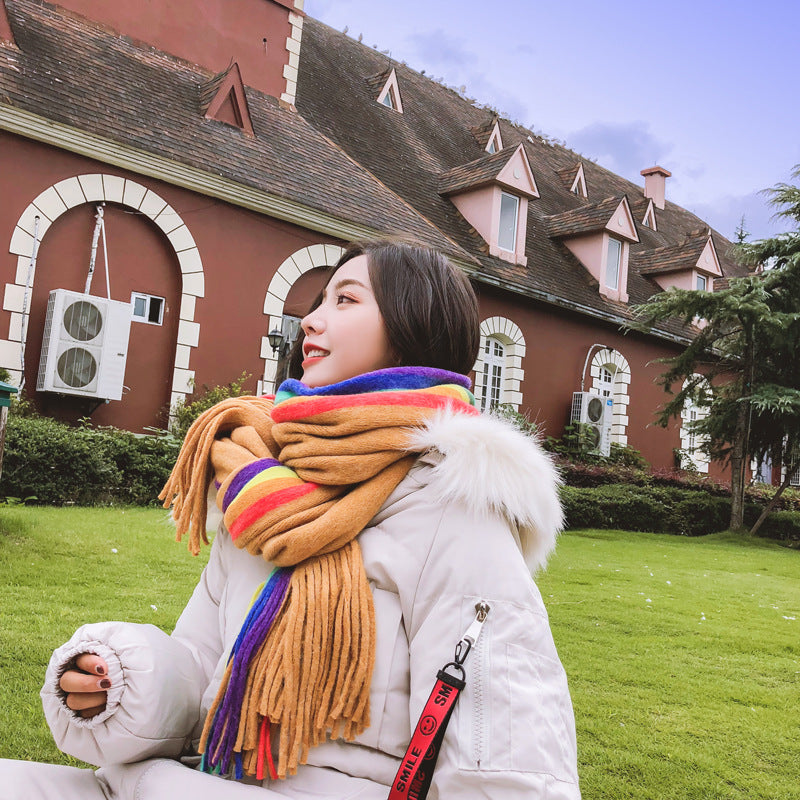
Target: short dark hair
{"x": 428, "y": 305}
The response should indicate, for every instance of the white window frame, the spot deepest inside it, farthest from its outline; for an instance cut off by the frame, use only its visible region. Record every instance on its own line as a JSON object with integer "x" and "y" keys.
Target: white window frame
{"x": 691, "y": 446}
{"x": 611, "y": 363}
{"x": 702, "y": 283}
{"x": 513, "y": 247}
{"x": 617, "y": 265}
{"x": 494, "y": 365}
{"x": 148, "y": 298}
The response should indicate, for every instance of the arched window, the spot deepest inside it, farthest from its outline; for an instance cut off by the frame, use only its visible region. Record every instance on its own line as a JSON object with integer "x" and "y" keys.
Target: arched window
{"x": 498, "y": 369}
{"x": 493, "y": 363}
{"x": 695, "y": 409}
{"x": 611, "y": 376}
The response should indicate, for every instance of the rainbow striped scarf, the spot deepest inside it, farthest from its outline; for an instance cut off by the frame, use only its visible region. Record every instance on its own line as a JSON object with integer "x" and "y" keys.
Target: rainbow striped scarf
{"x": 297, "y": 482}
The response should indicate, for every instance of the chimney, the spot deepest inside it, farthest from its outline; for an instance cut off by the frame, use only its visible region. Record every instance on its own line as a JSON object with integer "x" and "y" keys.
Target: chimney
{"x": 655, "y": 179}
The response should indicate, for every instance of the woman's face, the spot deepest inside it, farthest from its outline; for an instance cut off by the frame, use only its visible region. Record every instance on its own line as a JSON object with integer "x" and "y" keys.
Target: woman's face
{"x": 345, "y": 335}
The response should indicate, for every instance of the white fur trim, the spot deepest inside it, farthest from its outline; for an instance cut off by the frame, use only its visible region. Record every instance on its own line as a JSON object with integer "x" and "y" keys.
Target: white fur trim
{"x": 490, "y": 464}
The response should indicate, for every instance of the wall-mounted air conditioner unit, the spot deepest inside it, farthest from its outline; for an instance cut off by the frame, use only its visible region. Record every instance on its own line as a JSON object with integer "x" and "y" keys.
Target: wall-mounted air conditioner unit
{"x": 596, "y": 412}
{"x": 85, "y": 345}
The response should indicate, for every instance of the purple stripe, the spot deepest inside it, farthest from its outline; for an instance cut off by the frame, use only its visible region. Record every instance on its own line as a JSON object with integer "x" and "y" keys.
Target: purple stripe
{"x": 226, "y": 721}
{"x": 245, "y": 474}
{"x": 393, "y": 378}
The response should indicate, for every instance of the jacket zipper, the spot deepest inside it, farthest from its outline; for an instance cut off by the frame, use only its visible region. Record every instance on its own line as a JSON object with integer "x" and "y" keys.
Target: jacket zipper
{"x": 473, "y": 636}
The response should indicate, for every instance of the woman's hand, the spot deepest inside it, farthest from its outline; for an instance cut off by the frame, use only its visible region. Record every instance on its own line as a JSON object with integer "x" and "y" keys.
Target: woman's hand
{"x": 87, "y": 686}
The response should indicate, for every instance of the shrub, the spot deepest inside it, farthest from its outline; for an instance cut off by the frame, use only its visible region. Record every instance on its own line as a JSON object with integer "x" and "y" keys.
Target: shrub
{"x": 634, "y": 508}
{"x": 58, "y": 464}
{"x": 699, "y": 513}
{"x": 184, "y": 414}
{"x": 782, "y": 525}
{"x": 581, "y": 510}
{"x": 657, "y": 509}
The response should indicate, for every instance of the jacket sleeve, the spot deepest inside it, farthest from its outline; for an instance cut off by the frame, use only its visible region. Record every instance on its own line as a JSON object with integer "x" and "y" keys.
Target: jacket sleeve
{"x": 512, "y": 735}
{"x": 157, "y": 681}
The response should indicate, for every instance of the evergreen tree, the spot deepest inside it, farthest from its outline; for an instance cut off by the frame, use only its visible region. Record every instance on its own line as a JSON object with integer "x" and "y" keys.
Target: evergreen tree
{"x": 746, "y": 346}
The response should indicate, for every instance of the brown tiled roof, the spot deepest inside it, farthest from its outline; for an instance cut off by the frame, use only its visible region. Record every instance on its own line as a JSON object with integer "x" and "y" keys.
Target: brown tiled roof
{"x": 483, "y": 132}
{"x": 377, "y": 82}
{"x": 567, "y": 174}
{"x": 344, "y": 154}
{"x": 672, "y": 258}
{"x": 84, "y": 76}
{"x": 435, "y": 136}
{"x": 585, "y": 219}
{"x": 477, "y": 173}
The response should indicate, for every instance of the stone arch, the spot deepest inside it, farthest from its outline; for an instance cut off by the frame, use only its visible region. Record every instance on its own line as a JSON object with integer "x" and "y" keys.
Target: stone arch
{"x": 94, "y": 188}
{"x": 298, "y": 263}
{"x": 617, "y": 365}
{"x": 510, "y": 335}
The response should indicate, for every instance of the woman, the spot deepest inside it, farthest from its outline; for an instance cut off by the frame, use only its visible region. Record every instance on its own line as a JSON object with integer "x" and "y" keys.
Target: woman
{"x": 366, "y": 516}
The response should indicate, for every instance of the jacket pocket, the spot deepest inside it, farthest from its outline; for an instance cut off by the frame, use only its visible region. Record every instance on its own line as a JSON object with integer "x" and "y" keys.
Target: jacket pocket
{"x": 541, "y": 731}
{"x": 515, "y": 712}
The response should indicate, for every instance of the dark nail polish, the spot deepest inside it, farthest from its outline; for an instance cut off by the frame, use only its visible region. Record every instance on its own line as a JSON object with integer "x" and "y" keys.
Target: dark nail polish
{"x": 100, "y": 669}
{"x": 105, "y": 683}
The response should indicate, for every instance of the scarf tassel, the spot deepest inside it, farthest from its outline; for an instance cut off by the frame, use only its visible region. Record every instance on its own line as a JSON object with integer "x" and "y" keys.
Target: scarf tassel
{"x": 223, "y": 734}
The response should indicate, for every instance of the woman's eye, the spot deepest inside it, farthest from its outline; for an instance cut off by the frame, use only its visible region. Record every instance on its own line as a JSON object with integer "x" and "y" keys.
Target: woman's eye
{"x": 343, "y": 298}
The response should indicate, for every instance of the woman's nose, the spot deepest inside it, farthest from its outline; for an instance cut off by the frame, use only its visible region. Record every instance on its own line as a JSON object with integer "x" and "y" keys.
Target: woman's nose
{"x": 312, "y": 322}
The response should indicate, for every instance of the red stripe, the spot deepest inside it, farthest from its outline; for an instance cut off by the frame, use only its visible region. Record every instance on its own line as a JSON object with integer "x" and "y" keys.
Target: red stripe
{"x": 253, "y": 512}
{"x": 288, "y": 411}
{"x": 262, "y": 740}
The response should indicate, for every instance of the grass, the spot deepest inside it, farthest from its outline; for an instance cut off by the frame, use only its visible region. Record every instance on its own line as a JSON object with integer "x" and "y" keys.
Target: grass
{"x": 683, "y": 657}
{"x": 61, "y": 568}
{"x": 683, "y": 654}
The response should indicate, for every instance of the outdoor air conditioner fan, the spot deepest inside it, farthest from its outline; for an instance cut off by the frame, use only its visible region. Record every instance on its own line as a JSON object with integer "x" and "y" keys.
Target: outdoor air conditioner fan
{"x": 595, "y": 413}
{"x": 85, "y": 345}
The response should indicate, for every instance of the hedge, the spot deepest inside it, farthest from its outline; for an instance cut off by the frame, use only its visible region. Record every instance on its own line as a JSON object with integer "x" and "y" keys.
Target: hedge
{"x": 664, "y": 509}
{"x": 57, "y": 464}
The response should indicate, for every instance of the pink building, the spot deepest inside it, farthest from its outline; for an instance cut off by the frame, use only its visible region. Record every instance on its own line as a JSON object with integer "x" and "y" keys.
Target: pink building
{"x": 204, "y": 156}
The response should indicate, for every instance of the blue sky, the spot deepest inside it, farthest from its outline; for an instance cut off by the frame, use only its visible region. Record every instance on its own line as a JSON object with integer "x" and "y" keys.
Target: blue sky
{"x": 709, "y": 90}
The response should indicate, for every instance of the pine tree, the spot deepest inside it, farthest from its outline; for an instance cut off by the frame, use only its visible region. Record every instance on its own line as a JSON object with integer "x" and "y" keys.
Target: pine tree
{"x": 747, "y": 349}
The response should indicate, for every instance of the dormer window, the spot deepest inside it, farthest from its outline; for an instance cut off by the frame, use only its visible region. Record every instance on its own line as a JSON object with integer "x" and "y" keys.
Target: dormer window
{"x": 613, "y": 262}
{"x": 691, "y": 265}
{"x": 599, "y": 235}
{"x": 649, "y": 220}
{"x": 389, "y": 95}
{"x": 492, "y": 194}
{"x": 495, "y": 143}
{"x": 223, "y": 99}
{"x": 509, "y": 215}
{"x": 579, "y": 184}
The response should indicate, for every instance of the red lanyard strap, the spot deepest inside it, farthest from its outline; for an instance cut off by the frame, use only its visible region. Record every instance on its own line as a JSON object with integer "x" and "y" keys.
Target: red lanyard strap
{"x": 414, "y": 777}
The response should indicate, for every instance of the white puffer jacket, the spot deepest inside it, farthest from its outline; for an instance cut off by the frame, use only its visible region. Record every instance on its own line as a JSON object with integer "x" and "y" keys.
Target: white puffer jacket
{"x": 453, "y": 533}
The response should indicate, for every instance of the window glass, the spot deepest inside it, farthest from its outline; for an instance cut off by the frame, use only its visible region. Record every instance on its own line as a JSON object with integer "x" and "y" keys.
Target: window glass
{"x": 147, "y": 308}
{"x": 701, "y": 283}
{"x": 493, "y": 363}
{"x": 607, "y": 381}
{"x": 509, "y": 208}
{"x": 387, "y": 99}
{"x": 612, "y": 265}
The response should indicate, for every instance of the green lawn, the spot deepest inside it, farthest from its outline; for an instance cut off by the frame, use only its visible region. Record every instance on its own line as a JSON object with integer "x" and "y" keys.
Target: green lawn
{"x": 683, "y": 657}
{"x": 683, "y": 654}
